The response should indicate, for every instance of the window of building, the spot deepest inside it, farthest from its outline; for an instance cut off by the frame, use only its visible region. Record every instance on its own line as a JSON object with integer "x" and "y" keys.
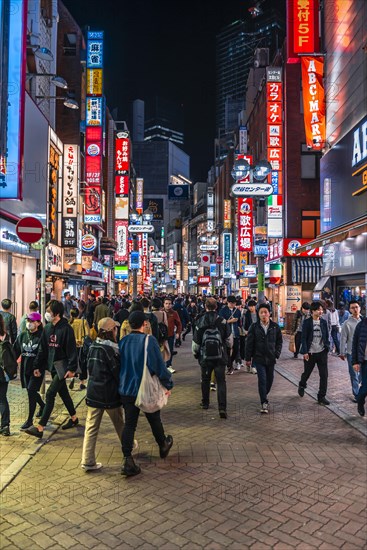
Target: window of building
{"x": 309, "y": 163}
{"x": 70, "y": 44}
{"x": 310, "y": 224}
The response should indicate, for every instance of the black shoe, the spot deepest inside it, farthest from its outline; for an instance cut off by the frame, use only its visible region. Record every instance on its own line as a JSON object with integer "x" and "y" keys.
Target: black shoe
{"x": 183, "y": 337}
{"x": 26, "y": 425}
{"x": 361, "y": 410}
{"x": 33, "y": 431}
{"x": 71, "y": 385}
{"x": 5, "y": 431}
{"x": 204, "y": 406}
{"x": 174, "y": 352}
{"x": 129, "y": 468}
{"x": 82, "y": 387}
{"x": 40, "y": 412}
{"x": 70, "y": 424}
{"x": 230, "y": 371}
{"x": 301, "y": 391}
{"x": 323, "y": 401}
{"x": 223, "y": 414}
{"x": 295, "y": 355}
{"x": 166, "y": 447}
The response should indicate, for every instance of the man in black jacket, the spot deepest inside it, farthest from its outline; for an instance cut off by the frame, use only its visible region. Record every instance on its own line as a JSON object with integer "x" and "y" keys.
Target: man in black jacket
{"x": 359, "y": 361}
{"x": 315, "y": 347}
{"x": 57, "y": 345}
{"x": 210, "y": 320}
{"x": 263, "y": 347}
{"x": 9, "y": 319}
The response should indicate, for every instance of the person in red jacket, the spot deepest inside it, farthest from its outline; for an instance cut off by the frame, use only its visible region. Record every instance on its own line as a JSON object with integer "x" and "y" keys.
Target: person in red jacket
{"x": 174, "y": 323}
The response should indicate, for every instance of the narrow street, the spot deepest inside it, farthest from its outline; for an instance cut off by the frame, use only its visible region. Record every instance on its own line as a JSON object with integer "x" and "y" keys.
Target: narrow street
{"x": 293, "y": 479}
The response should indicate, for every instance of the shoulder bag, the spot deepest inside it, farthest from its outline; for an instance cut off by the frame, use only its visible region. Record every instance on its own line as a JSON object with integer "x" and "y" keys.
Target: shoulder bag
{"x": 152, "y": 396}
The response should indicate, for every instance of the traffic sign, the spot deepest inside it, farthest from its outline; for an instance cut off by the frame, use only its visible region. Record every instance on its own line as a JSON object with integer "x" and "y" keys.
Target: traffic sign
{"x": 219, "y": 259}
{"x": 252, "y": 189}
{"x": 293, "y": 298}
{"x": 141, "y": 228}
{"x": 29, "y": 230}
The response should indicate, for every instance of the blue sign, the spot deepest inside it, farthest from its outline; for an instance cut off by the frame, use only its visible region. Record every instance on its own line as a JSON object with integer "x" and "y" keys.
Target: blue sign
{"x": 261, "y": 250}
{"x": 275, "y": 182}
{"x": 227, "y": 254}
{"x": 134, "y": 260}
{"x": 12, "y": 98}
{"x": 213, "y": 270}
{"x": 121, "y": 272}
{"x": 95, "y": 50}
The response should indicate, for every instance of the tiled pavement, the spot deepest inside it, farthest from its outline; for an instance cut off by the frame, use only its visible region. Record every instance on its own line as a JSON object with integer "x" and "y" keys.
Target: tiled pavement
{"x": 293, "y": 479}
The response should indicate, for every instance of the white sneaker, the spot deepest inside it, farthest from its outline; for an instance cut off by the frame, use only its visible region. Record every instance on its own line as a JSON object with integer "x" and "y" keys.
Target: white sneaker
{"x": 265, "y": 408}
{"x": 253, "y": 370}
{"x": 171, "y": 369}
{"x": 96, "y": 466}
{"x": 213, "y": 387}
{"x": 237, "y": 366}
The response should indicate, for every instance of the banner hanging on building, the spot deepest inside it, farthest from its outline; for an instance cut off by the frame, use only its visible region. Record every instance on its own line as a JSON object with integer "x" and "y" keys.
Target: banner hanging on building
{"x": 314, "y": 101}
{"x": 245, "y": 223}
{"x": 70, "y": 196}
{"x": 227, "y": 214}
{"x": 121, "y": 236}
{"x": 227, "y": 254}
{"x": 302, "y": 28}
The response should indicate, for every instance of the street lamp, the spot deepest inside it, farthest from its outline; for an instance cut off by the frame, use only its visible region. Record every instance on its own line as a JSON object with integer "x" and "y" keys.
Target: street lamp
{"x": 58, "y": 81}
{"x": 68, "y": 101}
{"x": 148, "y": 215}
{"x": 259, "y": 172}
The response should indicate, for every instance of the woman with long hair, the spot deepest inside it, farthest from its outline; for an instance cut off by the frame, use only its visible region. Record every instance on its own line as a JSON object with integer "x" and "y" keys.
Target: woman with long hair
{"x": 4, "y": 383}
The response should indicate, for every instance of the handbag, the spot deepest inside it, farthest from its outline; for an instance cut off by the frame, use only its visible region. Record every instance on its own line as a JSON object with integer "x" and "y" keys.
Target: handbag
{"x": 152, "y": 396}
{"x": 292, "y": 344}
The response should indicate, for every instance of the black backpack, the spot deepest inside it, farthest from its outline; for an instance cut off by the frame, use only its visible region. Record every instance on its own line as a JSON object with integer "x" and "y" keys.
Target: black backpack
{"x": 162, "y": 332}
{"x": 212, "y": 348}
{"x": 8, "y": 361}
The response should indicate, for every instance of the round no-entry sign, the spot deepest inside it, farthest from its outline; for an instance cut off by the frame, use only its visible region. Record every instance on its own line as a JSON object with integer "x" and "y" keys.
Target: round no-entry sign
{"x": 29, "y": 230}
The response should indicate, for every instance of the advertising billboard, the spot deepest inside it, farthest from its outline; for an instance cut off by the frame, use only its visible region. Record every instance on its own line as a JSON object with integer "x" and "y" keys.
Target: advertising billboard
{"x": 314, "y": 107}
{"x": 245, "y": 223}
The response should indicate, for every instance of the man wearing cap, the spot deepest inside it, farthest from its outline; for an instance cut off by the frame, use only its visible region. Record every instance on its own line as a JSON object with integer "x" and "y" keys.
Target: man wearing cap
{"x": 57, "y": 346}
{"x": 26, "y": 346}
{"x": 132, "y": 366}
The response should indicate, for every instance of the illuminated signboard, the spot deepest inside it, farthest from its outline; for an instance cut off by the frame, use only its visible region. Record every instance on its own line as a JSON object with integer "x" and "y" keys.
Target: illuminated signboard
{"x": 121, "y": 186}
{"x": 314, "y": 101}
{"x": 95, "y": 50}
{"x": 94, "y": 82}
{"x": 302, "y": 28}
{"x": 70, "y": 196}
{"x": 227, "y": 254}
{"x": 94, "y": 111}
{"x": 122, "y": 158}
{"x": 121, "y": 236}
{"x": 245, "y": 223}
{"x": 139, "y": 195}
{"x": 227, "y": 214}
{"x": 12, "y": 95}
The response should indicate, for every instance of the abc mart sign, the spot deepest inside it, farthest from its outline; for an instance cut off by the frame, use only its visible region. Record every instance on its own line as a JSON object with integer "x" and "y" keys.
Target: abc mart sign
{"x": 141, "y": 229}
{"x": 252, "y": 189}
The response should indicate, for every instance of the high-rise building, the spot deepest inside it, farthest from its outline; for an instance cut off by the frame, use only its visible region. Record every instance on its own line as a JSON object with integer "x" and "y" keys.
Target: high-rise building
{"x": 235, "y": 55}
{"x": 163, "y": 121}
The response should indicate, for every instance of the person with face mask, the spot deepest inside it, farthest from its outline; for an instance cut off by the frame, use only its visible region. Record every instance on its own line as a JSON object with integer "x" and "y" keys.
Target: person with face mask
{"x": 57, "y": 346}
{"x": 26, "y": 347}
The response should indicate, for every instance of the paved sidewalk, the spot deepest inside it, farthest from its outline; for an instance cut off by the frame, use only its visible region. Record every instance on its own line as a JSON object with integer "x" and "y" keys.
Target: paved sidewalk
{"x": 293, "y": 479}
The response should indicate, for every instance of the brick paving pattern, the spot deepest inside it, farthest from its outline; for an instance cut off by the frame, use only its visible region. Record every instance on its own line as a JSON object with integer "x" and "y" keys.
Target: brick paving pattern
{"x": 293, "y": 479}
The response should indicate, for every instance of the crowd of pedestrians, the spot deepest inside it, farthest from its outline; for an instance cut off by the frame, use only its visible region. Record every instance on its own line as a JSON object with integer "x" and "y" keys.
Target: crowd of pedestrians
{"x": 108, "y": 343}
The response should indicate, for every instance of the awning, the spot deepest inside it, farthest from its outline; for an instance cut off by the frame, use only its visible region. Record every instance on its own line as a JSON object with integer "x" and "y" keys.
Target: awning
{"x": 351, "y": 229}
{"x": 306, "y": 270}
{"x": 321, "y": 284}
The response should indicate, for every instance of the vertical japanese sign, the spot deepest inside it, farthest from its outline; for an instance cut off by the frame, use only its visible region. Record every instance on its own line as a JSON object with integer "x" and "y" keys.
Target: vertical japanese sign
{"x": 302, "y": 28}
{"x": 314, "y": 101}
{"x": 245, "y": 222}
{"x": 243, "y": 140}
{"x": 122, "y": 167}
{"x": 13, "y": 24}
{"x": 121, "y": 237}
{"x": 94, "y": 128}
{"x": 274, "y": 93}
{"x": 227, "y": 214}
{"x": 210, "y": 210}
{"x": 227, "y": 254}
{"x": 53, "y": 177}
{"x": 139, "y": 195}
{"x": 70, "y": 196}
{"x": 144, "y": 257}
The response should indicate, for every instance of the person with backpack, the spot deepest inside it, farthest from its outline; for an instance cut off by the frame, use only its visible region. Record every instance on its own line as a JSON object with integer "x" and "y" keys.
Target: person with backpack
{"x": 9, "y": 320}
{"x": 263, "y": 348}
{"x": 212, "y": 337}
{"x": 7, "y": 365}
{"x": 26, "y": 347}
{"x": 162, "y": 337}
{"x": 150, "y": 316}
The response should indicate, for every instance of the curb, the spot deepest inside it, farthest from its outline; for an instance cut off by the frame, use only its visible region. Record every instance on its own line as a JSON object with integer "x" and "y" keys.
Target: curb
{"x": 25, "y": 456}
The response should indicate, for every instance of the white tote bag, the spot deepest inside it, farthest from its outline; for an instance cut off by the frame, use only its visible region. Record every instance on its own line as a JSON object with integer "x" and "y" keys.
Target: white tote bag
{"x": 152, "y": 395}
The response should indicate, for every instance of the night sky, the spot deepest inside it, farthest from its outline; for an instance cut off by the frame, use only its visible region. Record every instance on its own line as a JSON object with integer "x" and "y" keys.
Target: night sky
{"x": 164, "y": 48}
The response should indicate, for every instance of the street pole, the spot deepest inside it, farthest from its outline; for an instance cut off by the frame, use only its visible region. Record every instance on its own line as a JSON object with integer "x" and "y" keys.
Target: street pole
{"x": 135, "y": 272}
{"x": 260, "y": 218}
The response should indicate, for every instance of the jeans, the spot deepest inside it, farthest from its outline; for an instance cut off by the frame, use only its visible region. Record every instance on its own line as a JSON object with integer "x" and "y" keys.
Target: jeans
{"x": 297, "y": 341}
{"x": 355, "y": 377}
{"x": 171, "y": 343}
{"x": 361, "y": 397}
{"x": 33, "y": 384}
{"x": 334, "y": 337}
{"x": 319, "y": 359}
{"x": 92, "y": 424}
{"x": 220, "y": 376}
{"x": 4, "y": 405}
{"x": 57, "y": 386}
{"x": 131, "y": 421}
{"x": 242, "y": 347}
{"x": 265, "y": 377}
{"x": 232, "y": 353}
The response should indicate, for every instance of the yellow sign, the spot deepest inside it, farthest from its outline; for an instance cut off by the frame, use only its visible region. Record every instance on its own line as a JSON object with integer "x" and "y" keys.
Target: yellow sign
{"x": 94, "y": 81}
{"x": 227, "y": 214}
